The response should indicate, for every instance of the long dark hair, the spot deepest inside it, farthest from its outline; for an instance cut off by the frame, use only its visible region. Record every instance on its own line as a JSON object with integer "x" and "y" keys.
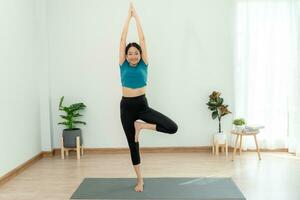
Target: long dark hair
{"x": 133, "y": 44}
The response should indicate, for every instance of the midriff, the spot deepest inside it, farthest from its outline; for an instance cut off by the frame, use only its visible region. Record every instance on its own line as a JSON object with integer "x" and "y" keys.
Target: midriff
{"x": 129, "y": 92}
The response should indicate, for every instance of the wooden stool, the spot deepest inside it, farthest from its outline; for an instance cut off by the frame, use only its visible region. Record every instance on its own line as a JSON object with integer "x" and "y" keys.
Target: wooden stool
{"x": 78, "y": 148}
{"x": 240, "y": 134}
{"x": 215, "y": 147}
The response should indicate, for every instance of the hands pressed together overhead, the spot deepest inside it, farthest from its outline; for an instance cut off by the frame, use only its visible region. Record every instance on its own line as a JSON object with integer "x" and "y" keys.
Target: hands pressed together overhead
{"x": 132, "y": 11}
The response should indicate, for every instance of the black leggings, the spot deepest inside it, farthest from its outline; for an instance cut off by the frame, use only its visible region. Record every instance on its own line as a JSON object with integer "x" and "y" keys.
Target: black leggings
{"x": 133, "y": 108}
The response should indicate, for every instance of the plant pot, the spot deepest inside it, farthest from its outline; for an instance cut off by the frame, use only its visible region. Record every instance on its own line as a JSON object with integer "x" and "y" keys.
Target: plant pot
{"x": 239, "y": 127}
{"x": 69, "y": 136}
{"x": 220, "y": 138}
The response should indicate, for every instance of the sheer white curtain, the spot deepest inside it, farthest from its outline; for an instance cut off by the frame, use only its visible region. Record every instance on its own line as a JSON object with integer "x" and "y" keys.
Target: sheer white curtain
{"x": 266, "y": 75}
{"x": 294, "y": 89}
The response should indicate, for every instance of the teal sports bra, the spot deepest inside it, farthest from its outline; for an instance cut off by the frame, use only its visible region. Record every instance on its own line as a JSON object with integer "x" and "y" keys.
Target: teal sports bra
{"x": 134, "y": 77}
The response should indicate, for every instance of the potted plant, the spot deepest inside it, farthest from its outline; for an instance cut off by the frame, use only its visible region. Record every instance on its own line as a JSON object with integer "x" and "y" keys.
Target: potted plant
{"x": 71, "y": 132}
{"x": 219, "y": 110}
{"x": 239, "y": 124}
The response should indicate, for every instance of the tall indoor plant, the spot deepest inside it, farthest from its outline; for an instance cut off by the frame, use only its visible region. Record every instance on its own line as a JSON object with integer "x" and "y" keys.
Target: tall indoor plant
{"x": 71, "y": 132}
{"x": 219, "y": 110}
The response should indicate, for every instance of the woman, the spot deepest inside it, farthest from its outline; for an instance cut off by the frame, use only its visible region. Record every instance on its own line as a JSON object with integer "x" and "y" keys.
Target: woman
{"x": 133, "y": 64}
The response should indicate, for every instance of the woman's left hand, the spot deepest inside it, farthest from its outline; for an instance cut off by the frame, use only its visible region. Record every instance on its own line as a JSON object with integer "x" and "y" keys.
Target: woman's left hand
{"x": 134, "y": 14}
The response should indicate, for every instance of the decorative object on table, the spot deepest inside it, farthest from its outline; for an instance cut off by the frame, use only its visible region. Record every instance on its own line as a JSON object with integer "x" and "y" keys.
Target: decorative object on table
{"x": 219, "y": 110}
{"x": 239, "y": 124}
{"x": 72, "y": 137}
{"x": 254, "y": 127}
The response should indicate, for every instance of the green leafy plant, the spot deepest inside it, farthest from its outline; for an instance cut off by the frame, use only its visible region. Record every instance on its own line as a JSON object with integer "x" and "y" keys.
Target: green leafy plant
{"x": 239, "y": 122}
{"x": 215, "y": 104}
{"x": 71, "y": 111}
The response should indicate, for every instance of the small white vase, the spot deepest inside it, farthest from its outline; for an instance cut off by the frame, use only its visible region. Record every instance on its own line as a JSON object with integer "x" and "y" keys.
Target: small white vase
{"x": 220, "y": 138}
{"x": 239, "y": 127}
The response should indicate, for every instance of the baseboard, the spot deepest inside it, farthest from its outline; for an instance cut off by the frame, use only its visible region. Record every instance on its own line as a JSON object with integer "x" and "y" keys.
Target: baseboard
{"x": 20, "y": 168}
{"x": 144, "y": 150}
{"x": 48, "y": 153}
{"x": 165, "y": 150}
{"x": 267, "y": 150}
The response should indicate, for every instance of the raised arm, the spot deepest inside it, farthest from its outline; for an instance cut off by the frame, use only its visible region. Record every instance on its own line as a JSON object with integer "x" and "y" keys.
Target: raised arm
{"x": 122, "y": 55}
{"x": 141, "y": 35}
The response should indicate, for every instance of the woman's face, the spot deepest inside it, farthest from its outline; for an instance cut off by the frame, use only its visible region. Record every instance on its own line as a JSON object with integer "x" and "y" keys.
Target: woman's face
{"x": 133, "y": 56}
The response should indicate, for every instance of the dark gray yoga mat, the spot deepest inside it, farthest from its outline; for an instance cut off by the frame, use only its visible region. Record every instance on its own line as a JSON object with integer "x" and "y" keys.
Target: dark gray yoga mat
{"x": 159, "y": 188}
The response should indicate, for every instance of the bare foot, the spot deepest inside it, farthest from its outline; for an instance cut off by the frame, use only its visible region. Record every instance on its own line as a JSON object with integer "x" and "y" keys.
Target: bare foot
{"x": 138, "y": 126}
{"x": 139, "y": 186}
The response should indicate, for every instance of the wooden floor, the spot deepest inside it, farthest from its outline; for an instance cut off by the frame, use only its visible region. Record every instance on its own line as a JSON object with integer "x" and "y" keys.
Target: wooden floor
{"x": 276, "y": 176}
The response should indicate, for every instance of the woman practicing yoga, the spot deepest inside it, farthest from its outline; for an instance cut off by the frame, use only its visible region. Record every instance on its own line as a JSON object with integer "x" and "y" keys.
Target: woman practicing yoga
{"x": 133, "y": 64}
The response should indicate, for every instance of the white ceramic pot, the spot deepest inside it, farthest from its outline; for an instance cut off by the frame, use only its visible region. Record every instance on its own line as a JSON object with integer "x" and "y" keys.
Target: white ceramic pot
{"x": 220, "y": 138}
{"x": 239, "y": 127}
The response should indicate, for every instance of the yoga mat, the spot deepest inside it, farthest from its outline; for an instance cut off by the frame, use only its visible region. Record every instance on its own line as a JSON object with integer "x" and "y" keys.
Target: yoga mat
{"x": 159, "y": 188}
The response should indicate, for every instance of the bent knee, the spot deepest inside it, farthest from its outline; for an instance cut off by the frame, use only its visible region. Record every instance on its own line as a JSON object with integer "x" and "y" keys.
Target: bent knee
{"x": 173, "y": 128}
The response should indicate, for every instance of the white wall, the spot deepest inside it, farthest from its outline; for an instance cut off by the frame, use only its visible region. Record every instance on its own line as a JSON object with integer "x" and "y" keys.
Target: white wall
{"x": 190, "y": 47}
{"x": 20, "y": 117}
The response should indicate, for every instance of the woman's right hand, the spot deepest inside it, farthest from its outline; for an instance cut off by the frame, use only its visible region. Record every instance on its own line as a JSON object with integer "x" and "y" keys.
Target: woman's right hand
{"x": 130, "y": 11}
{"x": 134, "y": 14}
